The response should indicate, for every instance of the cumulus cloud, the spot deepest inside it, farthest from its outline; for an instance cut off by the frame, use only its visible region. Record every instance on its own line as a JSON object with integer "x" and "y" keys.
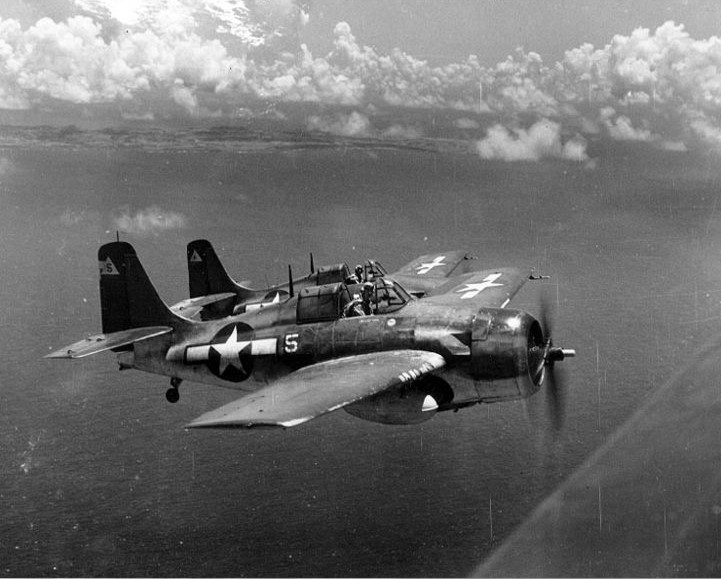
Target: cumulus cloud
{"x": 675, "y": 146}
{"x": 211, "y": 57}
{"x": 354, "y": 124}
{"x": 255, "y": 22}
{"x": 621, "y": 128}
{"x": 397, "y": 131}
{"x": 466, "y": 123}
{"x": 149, "y": 50}
{"x": 144, "y": 116}
{"x": 541, "y": 140}
{"x": 150, "y": 221}
{"x": 71, "y": 61}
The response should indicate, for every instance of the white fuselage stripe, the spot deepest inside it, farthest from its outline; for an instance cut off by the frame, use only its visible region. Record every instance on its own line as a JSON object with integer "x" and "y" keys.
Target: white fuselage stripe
{"x": 264, "y": 347}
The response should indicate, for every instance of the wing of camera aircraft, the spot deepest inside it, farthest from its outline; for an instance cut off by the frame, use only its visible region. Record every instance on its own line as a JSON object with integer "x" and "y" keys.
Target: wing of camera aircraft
{"x": 645, "y": 503}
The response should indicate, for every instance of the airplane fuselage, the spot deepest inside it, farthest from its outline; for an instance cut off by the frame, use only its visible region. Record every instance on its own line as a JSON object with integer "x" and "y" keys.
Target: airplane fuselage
{"x": 230, "y": 353}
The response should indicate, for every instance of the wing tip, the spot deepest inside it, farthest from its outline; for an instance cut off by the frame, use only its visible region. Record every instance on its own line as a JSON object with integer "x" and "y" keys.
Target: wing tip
{"x": 247, "y": 424}
{"x": 59, "y": 354}
{"x": 234, "y": 426}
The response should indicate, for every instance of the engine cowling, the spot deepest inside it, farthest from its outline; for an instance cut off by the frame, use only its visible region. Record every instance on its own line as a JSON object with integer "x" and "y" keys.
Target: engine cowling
{"x": 408, "y": 404}
{"x": 508, "y": 346}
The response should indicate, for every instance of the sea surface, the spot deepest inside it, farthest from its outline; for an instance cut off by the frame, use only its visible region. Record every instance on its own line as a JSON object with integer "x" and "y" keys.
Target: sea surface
{"x": 99, "y": 478}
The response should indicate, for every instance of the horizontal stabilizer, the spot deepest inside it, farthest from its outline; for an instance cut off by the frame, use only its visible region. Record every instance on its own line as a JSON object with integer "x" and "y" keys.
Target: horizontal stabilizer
{"x": 321, "y": 388}
{"x": 190, "y": 307}
{"x": 103, "y": 342}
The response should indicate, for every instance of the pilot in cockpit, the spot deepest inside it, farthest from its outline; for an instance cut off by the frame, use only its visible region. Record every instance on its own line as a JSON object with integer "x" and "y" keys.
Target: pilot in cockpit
{"x": 353, "y": 308}
{"x": 366, "y": 298}
{"x": 356, "y": 277}
{"x": 360, "y": 305}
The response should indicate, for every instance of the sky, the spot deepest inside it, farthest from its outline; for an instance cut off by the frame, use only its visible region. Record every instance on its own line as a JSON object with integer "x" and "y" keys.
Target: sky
{"x": 533, "y": 79}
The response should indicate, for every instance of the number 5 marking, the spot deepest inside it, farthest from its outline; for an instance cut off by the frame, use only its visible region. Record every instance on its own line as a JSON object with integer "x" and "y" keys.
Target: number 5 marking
{"x": 291, "y": 343}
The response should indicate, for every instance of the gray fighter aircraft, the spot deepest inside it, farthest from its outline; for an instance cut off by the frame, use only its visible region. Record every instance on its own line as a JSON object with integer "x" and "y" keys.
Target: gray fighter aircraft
{"x": 310, "y": 354}
{"x": 215, "y": 294}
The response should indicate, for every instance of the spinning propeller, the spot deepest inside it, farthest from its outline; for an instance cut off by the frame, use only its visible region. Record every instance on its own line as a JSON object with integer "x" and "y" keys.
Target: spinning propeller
{"x": 555, "y": 382}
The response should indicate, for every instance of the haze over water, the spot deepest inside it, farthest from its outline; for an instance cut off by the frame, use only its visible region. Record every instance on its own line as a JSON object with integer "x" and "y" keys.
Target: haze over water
{"x": 101, "y": 479}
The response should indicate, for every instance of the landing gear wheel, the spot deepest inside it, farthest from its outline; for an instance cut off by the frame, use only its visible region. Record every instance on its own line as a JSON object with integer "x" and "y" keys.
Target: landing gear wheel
{"x": 172, "y": 395}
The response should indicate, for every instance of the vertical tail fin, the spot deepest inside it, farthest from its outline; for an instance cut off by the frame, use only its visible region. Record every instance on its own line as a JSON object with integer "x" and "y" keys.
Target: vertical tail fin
{"x": 127, "y": 296}
{"x": 206, "y": 274}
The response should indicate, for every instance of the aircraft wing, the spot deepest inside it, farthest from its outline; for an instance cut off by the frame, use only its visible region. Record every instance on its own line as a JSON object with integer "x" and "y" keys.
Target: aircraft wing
{"x": 425, "y": 273}
{"x": 321, "y": 388}
{"x": 491, "y": 288}
{"x": 102, "y": 342}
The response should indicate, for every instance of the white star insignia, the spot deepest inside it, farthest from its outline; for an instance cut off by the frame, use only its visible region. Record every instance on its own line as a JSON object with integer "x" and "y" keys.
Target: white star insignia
{"x": 230, "y": 352}
{"x": 424, "y": 268}
{"x": 473, "y": 289}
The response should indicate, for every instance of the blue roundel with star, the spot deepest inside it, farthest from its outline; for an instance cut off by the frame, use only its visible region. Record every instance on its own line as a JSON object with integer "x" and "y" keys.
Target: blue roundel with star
{"x": 229, "y": 356}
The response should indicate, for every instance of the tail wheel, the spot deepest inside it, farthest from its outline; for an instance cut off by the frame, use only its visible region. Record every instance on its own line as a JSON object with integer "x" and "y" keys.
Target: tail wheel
{"x": 172, "y": 394}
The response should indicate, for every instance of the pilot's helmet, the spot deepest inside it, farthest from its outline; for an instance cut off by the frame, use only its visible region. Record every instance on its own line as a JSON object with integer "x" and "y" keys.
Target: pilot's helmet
{"x": 367, "y": 288}
{"x": 359, "y": 270}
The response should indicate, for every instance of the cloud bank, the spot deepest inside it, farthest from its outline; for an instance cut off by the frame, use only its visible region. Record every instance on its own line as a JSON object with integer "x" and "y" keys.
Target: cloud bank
{"x": 218, "y": 57}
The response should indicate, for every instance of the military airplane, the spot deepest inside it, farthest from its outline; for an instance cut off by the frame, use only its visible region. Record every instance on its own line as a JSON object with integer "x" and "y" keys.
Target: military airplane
{"x": 405, "y": 361}
{"x": 215, "y": 294}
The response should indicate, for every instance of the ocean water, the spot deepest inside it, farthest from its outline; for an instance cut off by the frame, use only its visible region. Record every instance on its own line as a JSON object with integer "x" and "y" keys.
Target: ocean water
{"x": 99, "y": 477}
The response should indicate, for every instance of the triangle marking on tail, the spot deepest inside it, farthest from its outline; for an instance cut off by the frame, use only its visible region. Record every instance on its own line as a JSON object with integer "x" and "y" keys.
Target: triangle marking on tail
{"x": 107, "y": 267}
{"x": 195, "y": 256}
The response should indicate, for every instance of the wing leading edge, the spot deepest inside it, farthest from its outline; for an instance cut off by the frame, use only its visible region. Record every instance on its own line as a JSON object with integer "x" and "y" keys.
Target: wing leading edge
{"x": 321, "y": 388}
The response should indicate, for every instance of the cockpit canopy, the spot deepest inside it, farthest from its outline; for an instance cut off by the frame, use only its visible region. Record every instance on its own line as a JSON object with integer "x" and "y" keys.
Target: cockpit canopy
{"x": 373, "y": 269}
{"x": 324, "y": 303}
{"x": 388, "y": 296}
{"x": 338, "y": 272}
